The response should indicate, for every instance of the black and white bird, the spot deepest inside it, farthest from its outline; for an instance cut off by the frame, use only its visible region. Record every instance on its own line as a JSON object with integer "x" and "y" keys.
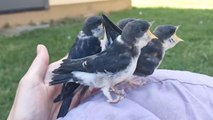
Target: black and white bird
{"x": 111, "y": 33}
{"x": 153, "y": 53}
{"x": 86, "y": 43}
{"x": 110, "y": 67}
{"x": 88, "y": 40}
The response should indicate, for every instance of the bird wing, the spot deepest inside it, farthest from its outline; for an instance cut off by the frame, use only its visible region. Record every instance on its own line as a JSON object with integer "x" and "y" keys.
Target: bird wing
{"x": 149, "y": 59}
{"x": 102, "y": 62}
{"x": 108, "y": 63}
{"x": 70, "y": 65}
{"x": 85, "y": 46}
{"x": 152, "y": 53}
{"x": 111, "y": 31}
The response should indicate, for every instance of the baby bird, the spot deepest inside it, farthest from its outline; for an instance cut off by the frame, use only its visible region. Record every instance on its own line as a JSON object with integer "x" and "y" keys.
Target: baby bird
{"x": 86, "y": 43}
{"x": 88, "y": 40}
{"x": 110, "y": 67}
{"x": 153, "y": 53}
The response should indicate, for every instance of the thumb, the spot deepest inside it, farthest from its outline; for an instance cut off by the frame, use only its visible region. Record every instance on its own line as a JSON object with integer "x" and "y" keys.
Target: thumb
{"x": 40, "y": 64}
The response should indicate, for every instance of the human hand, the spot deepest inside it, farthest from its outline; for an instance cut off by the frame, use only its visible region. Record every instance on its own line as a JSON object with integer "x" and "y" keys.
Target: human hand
{"x": 81, "y": 96}
{"x": 34, "y": 95}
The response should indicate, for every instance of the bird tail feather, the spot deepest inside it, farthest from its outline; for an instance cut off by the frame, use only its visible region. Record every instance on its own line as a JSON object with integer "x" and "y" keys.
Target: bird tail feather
{"x": 64, "y": 108}
{"x": 61, "y": 78}
{"x": 68, "y": 91}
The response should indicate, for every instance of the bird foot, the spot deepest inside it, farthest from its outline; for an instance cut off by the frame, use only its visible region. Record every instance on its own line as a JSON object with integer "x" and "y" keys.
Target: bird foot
{"x": 118, "y": 98}
{"x": 136, "y": 82}
{"x": 117, "y": 91}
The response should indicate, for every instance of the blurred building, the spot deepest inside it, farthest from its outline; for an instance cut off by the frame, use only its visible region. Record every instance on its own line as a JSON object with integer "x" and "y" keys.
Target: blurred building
{"x": 18, "y": 12}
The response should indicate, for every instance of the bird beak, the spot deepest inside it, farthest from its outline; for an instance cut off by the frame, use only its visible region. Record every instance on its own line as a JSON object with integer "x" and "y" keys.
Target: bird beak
{"x": 177, "y": 39}
{"x": 177, "y": 27}
{"x": 151, "y": 23}
{"x": 151, "y": 35}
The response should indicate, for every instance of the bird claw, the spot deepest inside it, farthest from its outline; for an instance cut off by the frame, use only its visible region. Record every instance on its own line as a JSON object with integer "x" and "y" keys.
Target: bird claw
{"x": 136, "y": 83}
{"x": 118, "y": 98}
{"x": 117, "y": 91}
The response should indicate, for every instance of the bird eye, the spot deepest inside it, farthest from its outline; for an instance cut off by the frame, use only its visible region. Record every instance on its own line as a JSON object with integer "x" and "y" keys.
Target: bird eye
{"x": 143, "y": 29}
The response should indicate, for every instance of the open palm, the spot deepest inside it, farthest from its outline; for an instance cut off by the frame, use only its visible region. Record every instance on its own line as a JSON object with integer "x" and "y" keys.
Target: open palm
{"x": 34, "y": 95}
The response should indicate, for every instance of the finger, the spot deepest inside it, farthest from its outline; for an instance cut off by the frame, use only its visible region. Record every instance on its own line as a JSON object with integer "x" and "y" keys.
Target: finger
{"x": 75, "y": 100}
{"x": 52, "y": 67}
{"x": 56, "y": 89}
{"x": 54, "y": 111}
{"x": 40, "y": 64}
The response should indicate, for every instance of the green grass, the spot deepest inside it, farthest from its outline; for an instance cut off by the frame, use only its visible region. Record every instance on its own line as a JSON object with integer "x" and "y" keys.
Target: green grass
{"x": 183, "y": 4}
{"x": 195, "y": 54}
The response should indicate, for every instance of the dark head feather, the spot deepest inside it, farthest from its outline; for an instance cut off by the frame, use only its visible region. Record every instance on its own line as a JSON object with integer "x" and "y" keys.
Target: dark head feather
{"x": 133, "y": 30}
{"x": 91, "y": 23}
{"x": 122, "y": 23}
{"x": 164, "y": 32}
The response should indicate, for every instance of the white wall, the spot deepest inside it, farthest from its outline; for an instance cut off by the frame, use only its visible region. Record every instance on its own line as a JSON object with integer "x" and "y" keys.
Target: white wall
{"x": 12, "y": 5}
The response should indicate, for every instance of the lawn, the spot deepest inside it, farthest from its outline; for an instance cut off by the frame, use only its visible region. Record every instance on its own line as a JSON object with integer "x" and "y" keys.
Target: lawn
{"x": 195, "y": 54}
{"x": 193, "y": 4}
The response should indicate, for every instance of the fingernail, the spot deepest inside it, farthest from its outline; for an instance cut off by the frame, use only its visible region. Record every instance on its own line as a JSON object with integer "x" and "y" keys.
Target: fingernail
{"x": 39, "y": 47}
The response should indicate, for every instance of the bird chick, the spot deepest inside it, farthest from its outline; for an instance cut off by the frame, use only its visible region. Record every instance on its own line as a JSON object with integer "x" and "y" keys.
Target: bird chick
{"x": 153, "y": 53}
{"x": 86, "y": 43}
{"x": 111, "y": 33}
{"x": 110, "y": 67}
{"x": 88, "y": 40}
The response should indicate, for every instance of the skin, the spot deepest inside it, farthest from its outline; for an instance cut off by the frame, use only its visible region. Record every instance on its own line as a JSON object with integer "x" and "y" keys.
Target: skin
{"x": 34, "y": 95}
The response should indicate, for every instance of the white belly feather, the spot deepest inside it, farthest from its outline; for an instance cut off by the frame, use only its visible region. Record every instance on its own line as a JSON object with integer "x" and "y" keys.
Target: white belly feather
{"x": 100, "y": 80}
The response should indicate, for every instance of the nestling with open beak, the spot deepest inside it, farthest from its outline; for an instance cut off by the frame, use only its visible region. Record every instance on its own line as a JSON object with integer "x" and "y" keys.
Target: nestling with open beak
{"x": 153, "y": 53}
